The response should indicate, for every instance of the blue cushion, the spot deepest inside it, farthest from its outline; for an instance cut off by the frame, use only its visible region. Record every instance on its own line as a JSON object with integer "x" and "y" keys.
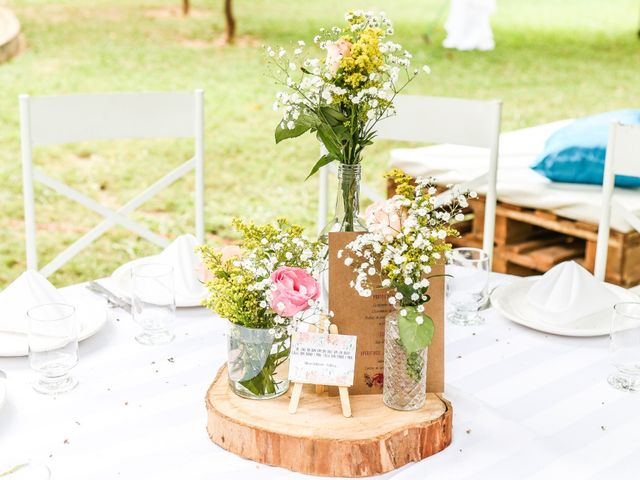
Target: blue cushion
{"x": 575, "y": 153}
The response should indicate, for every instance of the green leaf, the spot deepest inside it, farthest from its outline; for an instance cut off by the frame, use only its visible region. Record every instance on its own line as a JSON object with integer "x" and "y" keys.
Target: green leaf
{"x": 414, "y": 336}
{"x": 332, "y": 116}
{"x": 325, "y": 160}
{"x": 328, "y": 137}
{"x": 303, "y": 124}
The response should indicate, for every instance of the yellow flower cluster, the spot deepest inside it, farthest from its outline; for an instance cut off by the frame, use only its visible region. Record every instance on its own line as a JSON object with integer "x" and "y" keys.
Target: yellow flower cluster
{"x": 405, "y": 186}
{"x": 240, "y": 286}
{"x": 403, "y": 182}
{"x": 365, "y": 58}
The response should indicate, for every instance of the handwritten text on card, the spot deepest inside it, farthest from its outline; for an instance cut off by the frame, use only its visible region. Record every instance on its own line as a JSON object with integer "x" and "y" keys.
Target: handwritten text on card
{"x": 322, "y": 359}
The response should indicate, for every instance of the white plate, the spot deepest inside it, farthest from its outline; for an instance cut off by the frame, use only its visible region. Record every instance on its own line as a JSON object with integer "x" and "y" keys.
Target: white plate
{"x": 91, "y": 312}
{"x": 121, "y": 284}
{"x": 511, "y": 301}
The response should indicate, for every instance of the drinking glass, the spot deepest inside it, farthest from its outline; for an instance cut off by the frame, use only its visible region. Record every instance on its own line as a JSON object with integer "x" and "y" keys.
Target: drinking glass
{"x": 467, "y": 287}
{"x": 53, "y": 346}
{"x": 153, "y": 302}
{"x": 624, "y": 346}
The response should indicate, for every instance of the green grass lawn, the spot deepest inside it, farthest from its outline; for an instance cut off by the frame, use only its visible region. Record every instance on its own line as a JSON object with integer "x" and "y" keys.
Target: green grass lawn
{"x": 553, "y": 60}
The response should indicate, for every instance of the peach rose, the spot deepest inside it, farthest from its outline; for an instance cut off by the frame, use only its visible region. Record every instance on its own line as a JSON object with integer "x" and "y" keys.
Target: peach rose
{"x": 228, "y": 252}
{"x": 336, "y": 51}
{"x": 385, "y": 217}
{"x": 294, "y": 287}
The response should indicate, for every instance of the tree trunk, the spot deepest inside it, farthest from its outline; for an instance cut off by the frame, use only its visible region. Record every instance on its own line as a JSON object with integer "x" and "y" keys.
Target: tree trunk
{"x": 319, "y": 440}
{"x": 185, "y": 7}
{"x": 230, "y": 21}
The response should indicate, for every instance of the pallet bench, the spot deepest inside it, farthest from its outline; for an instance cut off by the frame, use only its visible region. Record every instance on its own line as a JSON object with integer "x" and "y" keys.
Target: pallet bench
{"x": 531, "y": 241}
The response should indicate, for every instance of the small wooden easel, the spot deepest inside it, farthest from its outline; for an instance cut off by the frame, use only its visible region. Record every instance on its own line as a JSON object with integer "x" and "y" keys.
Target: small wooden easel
{"x": 296, "y": 393}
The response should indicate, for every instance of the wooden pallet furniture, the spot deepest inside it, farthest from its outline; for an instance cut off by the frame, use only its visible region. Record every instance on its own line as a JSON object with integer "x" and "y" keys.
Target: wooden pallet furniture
{"x": 531, "y": 241}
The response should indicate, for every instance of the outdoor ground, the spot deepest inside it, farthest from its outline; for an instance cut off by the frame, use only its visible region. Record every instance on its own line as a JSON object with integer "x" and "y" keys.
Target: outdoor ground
{"x": 553, "y": 60}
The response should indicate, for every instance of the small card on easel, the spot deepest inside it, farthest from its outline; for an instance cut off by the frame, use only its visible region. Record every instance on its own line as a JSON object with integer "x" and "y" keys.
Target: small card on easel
{"x": 322, "y": 359}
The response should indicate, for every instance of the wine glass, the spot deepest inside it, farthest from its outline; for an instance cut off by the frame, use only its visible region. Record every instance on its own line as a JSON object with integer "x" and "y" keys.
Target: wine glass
{"x": 153, "y": 302}
{"x": 467, "y": 285}
{"x": 53, "y": 346}
{"x": 624, "y": 347}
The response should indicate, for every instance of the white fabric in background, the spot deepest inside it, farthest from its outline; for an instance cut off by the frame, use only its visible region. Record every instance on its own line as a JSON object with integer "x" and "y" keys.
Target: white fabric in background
{"x": 468, "y": 25}
{"x": 186, "y": 263}
{"x": 29, "y": 290}
{"x": 187, "y": 272}
{"x": 517, "y": 183}
{"x": 526, "y": 405}
{"x": 570, "y": 291}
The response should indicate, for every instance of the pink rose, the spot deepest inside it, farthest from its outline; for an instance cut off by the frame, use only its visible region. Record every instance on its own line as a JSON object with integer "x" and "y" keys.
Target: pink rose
{"x": 294, "y": 287}
{"x": 385, "y": 217}
{"x": 336, "y": 51}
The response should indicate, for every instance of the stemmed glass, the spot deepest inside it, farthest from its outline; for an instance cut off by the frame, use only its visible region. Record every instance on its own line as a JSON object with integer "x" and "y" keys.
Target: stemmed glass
{"x": 624, "y": 346}
{"x": 153, "y": 302}
{"x": 53, "y": 346}
{"x": 468, "y": 285}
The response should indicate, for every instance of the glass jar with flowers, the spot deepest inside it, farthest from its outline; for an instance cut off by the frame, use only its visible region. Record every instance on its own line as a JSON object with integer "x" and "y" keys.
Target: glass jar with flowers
{"x": 263, "y": 288}
{"x": 341, "y": 98}
{"x": 407, "y": 237}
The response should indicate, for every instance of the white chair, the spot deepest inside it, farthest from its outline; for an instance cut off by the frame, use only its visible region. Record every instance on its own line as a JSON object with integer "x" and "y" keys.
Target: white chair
{"x": 474, "y": 123}
{"x": 56, "y": 120}
{"x": 622, "y": 158}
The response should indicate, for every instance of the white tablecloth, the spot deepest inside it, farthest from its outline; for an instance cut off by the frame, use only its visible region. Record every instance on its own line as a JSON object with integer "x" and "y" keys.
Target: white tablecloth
{"x": 526, "y": 405}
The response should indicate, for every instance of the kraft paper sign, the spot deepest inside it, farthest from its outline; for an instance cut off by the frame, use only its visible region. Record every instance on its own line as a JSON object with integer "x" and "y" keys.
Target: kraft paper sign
{"x": 364, "y": 317}
{"x": 322, "y": 359}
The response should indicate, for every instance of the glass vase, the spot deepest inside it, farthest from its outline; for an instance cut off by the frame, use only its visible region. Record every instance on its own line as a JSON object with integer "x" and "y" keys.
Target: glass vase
{"x": 346, "y": 218}
{"x": 405, "y": 374}
{"x": 257, "y": 361}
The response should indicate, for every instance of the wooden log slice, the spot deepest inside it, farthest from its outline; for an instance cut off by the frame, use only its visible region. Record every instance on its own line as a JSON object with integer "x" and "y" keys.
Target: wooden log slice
{"x": 318, "y": 440}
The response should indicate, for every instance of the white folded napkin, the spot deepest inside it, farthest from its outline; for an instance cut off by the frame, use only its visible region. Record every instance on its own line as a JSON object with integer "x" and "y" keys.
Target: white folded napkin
{"x": 187, "y": 272}
{"x": 27, "y": 291}
{"x": 181, "y": 255}
{"x": 569, "y": 292}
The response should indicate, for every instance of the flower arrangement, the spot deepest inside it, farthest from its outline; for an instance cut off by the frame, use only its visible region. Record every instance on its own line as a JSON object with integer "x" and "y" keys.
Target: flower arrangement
{"x": 407, "y": 236}
{"x": 342, "y": 97}
{"x": 267, "y": 283}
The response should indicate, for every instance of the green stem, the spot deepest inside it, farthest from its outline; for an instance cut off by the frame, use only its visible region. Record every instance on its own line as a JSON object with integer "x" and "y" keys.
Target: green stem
{"x": 348, "y": 198}
{"x": 265, "y": 383}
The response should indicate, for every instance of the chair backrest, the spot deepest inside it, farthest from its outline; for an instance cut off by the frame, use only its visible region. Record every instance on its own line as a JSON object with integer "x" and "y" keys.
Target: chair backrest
{"x": 445, "y": 120}
{"x": 474, "y": 123}
{"x": 622, "y": 158}
{"x": 56, "y": 120}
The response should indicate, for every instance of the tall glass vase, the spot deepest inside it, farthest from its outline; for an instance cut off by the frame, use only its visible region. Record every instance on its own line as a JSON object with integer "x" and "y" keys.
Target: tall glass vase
{"x": 346, "y": 217}
{"x": 405, "y": 374}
